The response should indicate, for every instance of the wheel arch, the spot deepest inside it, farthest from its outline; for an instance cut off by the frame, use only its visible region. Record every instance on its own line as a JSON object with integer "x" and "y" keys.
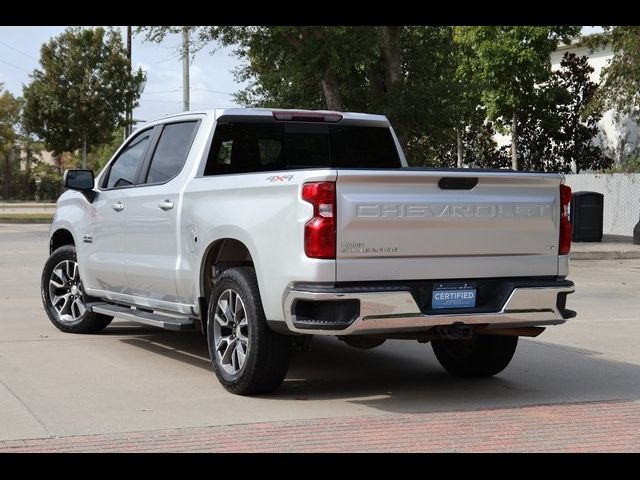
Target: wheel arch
{"x": 220, "y": 255}
{"x": 60, "y": 238}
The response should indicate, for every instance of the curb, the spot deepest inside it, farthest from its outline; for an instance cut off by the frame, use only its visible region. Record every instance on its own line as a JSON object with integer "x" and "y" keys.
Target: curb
{"x": 34, "y": 221}
{"x": 608, "y": 255}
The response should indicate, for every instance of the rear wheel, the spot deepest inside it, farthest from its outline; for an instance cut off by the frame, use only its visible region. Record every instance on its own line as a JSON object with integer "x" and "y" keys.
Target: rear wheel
{"x": 481, "y": 356}
{"x": 247, "y": 356}
{"x": 63, "y": 294}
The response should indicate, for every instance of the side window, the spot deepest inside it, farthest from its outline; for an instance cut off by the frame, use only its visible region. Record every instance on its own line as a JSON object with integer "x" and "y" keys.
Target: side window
{"x": 171, "y": 151}
{"x": 124, "y": 169}
{"x": 245, "y": 147}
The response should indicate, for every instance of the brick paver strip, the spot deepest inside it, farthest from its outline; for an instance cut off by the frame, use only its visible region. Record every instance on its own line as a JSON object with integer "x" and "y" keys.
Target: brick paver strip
{"x": 584, "y": 427}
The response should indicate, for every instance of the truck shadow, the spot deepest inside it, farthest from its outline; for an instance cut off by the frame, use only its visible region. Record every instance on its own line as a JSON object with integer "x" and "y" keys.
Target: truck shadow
{"x": 405, "y": 377}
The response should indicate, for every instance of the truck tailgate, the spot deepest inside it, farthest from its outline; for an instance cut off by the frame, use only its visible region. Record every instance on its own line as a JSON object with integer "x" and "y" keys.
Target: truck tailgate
{"x": 406, "y": 224}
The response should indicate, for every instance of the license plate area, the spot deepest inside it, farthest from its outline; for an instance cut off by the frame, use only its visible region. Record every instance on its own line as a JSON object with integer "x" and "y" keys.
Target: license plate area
{"x": 453, "y": 295}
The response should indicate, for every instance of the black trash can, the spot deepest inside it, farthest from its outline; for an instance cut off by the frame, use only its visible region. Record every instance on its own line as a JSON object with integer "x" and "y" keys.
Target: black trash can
{"x": 587, "y": 215}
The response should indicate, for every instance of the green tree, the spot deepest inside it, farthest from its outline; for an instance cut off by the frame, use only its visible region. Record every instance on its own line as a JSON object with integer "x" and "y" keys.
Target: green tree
{"x": 620, "y": 79}
{"x": 10, "y": 107}
{"x": 400, "y": 71}
{"x": 79, "y": 96}
{"x": 555, "y": 133}
{"x": 507, "y": 62}
{"x": 98, "y": 156}
{"x": 578, "y": 124}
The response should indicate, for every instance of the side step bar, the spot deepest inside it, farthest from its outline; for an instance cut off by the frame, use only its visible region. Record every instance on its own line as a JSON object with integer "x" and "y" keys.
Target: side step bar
{"x": 141, "y": 316}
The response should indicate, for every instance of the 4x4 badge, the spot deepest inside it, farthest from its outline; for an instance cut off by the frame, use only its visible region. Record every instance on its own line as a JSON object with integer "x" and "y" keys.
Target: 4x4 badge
{"x": 280, "y": 178}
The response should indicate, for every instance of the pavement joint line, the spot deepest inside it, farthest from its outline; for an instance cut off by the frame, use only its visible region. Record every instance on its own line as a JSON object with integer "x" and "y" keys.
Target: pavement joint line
{"x": 31, "y": 412}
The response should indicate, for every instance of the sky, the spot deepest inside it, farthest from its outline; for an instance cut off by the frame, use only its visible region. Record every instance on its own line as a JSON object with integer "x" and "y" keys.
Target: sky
{"x": 211, "y": 75}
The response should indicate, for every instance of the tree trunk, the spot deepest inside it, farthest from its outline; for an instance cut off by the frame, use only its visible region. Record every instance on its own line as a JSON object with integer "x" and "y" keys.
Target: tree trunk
{"x": 392, "y": 52}
{"x": 392, "y": 57}
{"x": 84, "y": 150}
{"x": 332, "y": 96}
{"x": 7, "y": 177}
{"x": 28, "y": 161}
{"x": 459, "y": 146}
{"x": 514, "y": 141}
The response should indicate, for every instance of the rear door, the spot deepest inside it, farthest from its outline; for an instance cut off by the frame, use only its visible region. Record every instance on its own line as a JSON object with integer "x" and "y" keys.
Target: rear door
{"x": 152, "y": 213}
{"x": 413, "y": 224}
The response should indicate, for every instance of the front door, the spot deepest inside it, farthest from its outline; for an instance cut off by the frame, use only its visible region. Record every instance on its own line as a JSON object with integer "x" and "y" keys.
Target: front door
{"x": 103, "y": 243}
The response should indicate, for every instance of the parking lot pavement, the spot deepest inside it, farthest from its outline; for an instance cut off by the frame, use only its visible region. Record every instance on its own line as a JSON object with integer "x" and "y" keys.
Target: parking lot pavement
{"x": 132, "y": 383}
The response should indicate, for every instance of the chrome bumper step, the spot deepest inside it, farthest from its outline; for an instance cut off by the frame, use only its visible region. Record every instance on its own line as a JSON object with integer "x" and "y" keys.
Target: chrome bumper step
{"x": 397, "y": 311}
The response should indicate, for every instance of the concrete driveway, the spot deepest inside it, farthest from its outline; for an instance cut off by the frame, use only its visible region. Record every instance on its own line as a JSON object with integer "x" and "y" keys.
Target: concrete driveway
{"x": 133, "y": 378}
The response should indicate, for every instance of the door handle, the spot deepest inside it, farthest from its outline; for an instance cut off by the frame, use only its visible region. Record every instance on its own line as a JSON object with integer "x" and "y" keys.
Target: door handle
{"x": 166, "y": 205}
{"x": 118, "y": 206}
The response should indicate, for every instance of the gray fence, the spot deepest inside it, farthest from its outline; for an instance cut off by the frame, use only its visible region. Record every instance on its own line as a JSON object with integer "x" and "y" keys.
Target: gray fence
{"x": 621, "y": 198}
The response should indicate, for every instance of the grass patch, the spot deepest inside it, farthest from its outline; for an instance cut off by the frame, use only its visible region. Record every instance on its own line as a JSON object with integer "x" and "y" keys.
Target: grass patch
{"x": 26, "y": 217}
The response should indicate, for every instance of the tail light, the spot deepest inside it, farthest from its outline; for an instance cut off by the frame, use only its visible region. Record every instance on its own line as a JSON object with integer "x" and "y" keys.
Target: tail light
{"x": 320, "y": 231}
{"x": 565, "y": 224}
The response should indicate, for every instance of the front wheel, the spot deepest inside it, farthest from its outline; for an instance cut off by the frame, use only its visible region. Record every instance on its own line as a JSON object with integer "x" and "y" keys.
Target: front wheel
{"x": 63, "y": 295}
{"x": 247, "y": 356}
{"x": 481, "y": 356}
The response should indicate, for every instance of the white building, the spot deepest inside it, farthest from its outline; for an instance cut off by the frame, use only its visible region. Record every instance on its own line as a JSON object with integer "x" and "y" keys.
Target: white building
{"x": 618, "y": 137}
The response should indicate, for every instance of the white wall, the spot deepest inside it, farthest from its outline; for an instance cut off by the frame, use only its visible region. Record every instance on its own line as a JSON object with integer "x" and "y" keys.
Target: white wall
{"x": 621, "y": 198}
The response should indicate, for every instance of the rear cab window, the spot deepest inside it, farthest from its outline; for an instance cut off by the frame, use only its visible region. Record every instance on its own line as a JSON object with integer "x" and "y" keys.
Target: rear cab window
{"x": 171, "y": 151}
{"x": 242, "y": 147}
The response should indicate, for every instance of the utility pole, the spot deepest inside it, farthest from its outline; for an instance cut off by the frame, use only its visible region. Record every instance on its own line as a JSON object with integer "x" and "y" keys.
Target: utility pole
{"x": 129, "y": 114}
{"x": 185, "y": 68}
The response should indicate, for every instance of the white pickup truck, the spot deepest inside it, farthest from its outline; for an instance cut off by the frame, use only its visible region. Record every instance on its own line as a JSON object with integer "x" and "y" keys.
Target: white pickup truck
{"x": 264, "y": 227}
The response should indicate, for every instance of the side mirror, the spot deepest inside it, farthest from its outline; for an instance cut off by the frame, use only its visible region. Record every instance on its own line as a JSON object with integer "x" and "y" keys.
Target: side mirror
{"x": 80, "y": 180}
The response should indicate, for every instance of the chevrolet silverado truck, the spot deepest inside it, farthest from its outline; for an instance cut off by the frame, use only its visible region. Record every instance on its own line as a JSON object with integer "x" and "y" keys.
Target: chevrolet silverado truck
{"x": 262, "y": 228}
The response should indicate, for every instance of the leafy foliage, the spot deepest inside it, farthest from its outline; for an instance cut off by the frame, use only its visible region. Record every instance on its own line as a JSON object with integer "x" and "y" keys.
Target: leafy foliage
{"x": 432, "y": 82}
{"x": 630, "y": 166}
{"x": 9, "y": 117}
{"x": 554, "y": 132}
{"x": 84, "y": 87}
{"x": 98, "y": 156}
{"x": 508, "y": 62}
{"x": 620, "y": 88}
{"x": 10, "y": 107}
{"x": 402, "y": 72}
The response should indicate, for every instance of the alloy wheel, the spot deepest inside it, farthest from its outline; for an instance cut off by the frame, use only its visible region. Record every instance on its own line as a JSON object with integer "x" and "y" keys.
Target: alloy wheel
{"x": 231, "y": 332}
{"x": 65, "y": 292}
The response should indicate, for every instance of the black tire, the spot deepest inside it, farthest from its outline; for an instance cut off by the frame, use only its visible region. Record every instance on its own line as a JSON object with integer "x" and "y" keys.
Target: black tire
{"x": 267, "y": 353}
{"x": 482, "y": 356}
{"x": 88, "y": 322}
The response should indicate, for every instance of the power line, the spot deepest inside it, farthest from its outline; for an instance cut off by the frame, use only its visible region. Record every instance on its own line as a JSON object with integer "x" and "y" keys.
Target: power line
{"x": 211, "y": 91}
{"x": 18, "y": 50}
{"x": 14, "y": 66}
{"x": 193, "y": 90}
{"x": 162, "y": 91}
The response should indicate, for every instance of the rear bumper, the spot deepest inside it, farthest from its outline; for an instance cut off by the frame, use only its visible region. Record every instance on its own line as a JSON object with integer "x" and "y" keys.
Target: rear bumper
{"x": 312, "y": 310}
